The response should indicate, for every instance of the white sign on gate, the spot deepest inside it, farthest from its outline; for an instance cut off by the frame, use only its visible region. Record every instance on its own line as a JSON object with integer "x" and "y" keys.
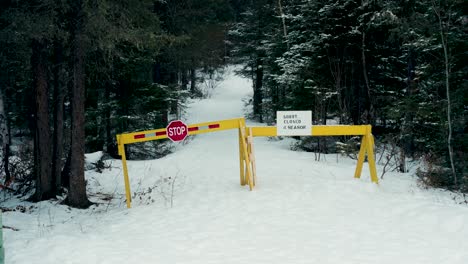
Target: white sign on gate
{"x": 293, "y": 123}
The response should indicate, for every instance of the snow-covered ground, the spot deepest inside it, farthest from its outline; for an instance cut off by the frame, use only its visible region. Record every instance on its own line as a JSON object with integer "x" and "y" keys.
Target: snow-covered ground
{"x": 190, "y": 208}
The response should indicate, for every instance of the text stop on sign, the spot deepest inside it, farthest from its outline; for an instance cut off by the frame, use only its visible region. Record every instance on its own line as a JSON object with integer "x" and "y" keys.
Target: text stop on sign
{"x": 177, "y": 130}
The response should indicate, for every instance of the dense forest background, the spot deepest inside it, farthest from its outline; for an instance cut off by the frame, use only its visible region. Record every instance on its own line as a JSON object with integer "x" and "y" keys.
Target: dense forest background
{"x": 74, "y": 73}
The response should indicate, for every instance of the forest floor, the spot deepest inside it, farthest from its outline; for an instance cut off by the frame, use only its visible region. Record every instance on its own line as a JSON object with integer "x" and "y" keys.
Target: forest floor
{"x": 188, "y": 207}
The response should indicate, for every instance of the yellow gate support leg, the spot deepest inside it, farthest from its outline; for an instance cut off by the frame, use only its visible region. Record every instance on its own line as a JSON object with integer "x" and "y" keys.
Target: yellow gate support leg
{"x": 367, "y": 147}
{"x": 248, "y": 168}
{"x": 241, "y": 156}
{"x": 362, "y": 154}
{"x": 371, "y": 158}
{"x": 252, "y": 156}
{"x": 121, "y": 150}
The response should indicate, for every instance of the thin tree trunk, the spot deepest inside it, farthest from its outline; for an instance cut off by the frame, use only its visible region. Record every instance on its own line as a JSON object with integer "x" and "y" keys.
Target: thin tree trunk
{"x": 4, "y": 138}
{"x": 174, "y": 106}
{"x": 275, "y": 98}
{"x": 285, "y": 32}
{"x": 370, "y": 106}
{"x": 193, "y": 81}
{"x": 258, "y": 97}
{"x": 59, "y": 98}
{"x": 335, "y": 71}
{"x": 444, "y": 39}
{"x": 66, "y": 171}
{"x": 184, "y": 73}
{"x": 77, "y": 191}
{"x": 407, "y": 138}
{"x": 107, "y": 112}
{"x": 42, "y": 137}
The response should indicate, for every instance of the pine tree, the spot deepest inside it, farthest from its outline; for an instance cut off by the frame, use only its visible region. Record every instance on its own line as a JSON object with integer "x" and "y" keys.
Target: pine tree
{"x": 251, "y": 35}
{"x": 376, "y": 62}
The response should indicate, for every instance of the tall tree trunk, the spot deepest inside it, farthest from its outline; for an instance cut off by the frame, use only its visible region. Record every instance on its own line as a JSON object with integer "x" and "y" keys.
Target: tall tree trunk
{"x": 258, "y": 86}
{"x": 369, "y": 105}
{"x": 42, "y": 136}
{"x": 77, "y": 191}
{"x": 4, "y": 138}
{"x": 285, "y": 32}
{"x": 59, "y": 98}
{"x": 193, "y": 81}
{"x": 184, "y": 78}
{"x": 336, "y": 72}
{"x": 174, "y": 84}
{"x": 110, "y": 147}
{"x": 157, "y": 72}
{"x": 66, "y": 171}
{"x": 443, "y": 31}
{"x": 406, "y": 131}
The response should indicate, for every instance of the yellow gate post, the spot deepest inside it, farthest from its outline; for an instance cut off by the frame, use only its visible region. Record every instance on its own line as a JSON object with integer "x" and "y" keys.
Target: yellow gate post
{"x": 371, "y": 158}
{"x": 241, "y": 154}
{"x": 246, "y": 158}
{"x": 367, "y": 147}
{"x": 361, "y": 156}
{"x": 121, "y": 152}
{"x": 252, "y": 156}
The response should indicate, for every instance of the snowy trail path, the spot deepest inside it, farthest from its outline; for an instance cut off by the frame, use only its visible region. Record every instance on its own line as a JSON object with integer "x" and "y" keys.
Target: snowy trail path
{"x": 301, "y": 211}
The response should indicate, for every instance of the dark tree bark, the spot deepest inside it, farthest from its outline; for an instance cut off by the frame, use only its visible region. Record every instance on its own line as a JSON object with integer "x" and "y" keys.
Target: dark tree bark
{"x": 77, "y": 192}
{"x": 275, "y": 98}
{"x": 66, "y": 171}
{"x": 184, "y": 78}
{"x": 193, "y": 81}
{"x": 258, "y": 96}
{"x": 157, "y": 72}
{"x": 173, "y": 82}
{"x": 110, "y": 147}
{"x": 59, "y": 98}
{"x": 123, "y": 94}
{"x": 406, "y": 127}
{"x": 369, "y": 106}
{"x": 42, "y": 135}
{"x": 160, "y": 77}
{"x": 4, "y": 138}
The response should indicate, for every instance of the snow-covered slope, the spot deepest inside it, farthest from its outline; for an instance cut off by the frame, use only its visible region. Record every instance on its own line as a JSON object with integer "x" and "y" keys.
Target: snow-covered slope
{"x": 190, "y": 208}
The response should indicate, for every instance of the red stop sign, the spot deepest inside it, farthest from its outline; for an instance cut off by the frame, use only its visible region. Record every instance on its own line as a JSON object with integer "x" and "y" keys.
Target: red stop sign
{"x": 177, "y": 130}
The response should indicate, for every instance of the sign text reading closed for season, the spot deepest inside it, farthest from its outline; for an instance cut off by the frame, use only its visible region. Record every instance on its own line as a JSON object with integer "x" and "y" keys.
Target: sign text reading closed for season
{"x": 293, "y": 123}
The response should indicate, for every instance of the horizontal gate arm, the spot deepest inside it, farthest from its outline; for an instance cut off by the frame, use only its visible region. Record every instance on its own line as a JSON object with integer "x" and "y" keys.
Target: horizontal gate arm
{"x": 193, "y": 129}
{"x": 143, "y": 136}
{"x": 213, "y": 126}
{"x": 338, "y": 130}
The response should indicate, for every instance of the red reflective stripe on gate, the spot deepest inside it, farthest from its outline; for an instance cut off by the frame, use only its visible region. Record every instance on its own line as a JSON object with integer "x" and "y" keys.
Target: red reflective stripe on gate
{"x": 139, "y": 136}
{"x": 213, "y": 126}
{"x": 192, "y": 129}
{"x": 162, "y": 133}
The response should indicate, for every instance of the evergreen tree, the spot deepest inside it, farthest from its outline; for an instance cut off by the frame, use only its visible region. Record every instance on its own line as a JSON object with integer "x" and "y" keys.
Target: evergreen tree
{"x": 99, "y": 68}
{"x": 391, "y": 64}
{"x": 249, "y": 35}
